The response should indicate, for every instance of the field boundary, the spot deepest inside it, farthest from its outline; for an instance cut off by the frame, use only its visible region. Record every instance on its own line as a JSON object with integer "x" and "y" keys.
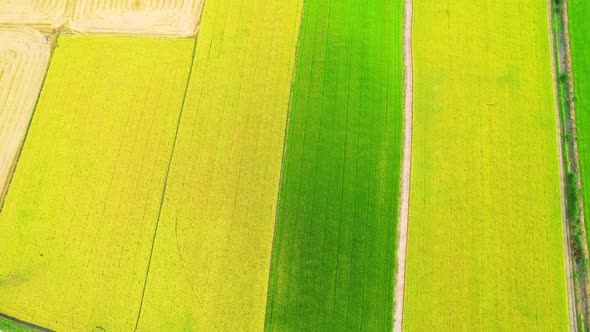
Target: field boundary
{"x": 567, "y": 250}
{"x": 406, "y": 167}
{"x": 572, "y": 199}
{"x": 25, "y": 324}
{"x": 285, "y": 135}
{"x": 165, "y": 185}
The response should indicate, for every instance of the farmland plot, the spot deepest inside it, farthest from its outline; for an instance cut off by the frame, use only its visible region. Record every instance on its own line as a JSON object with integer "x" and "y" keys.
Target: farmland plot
{"x": 579, "y": 28}
{"x": 24, "y": 55}
{"x": 485, "y": 246}
{"x": 209, "y": 269}
{"x": 176, "y": 18}
{"x": 79, "y": 218}
{"x": 334, "y": 250}
{"x": 47, "y": 14}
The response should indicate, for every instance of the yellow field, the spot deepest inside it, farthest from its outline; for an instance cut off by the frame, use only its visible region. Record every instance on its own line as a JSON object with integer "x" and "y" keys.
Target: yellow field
{"x": 78, "y": 222}
{"x": 485, "y": 246}
{"x": 33, "y": 13}
{"x": 211, "y": 258}
{"x": 24, "y": 55}
{"x": 175, "y": 18}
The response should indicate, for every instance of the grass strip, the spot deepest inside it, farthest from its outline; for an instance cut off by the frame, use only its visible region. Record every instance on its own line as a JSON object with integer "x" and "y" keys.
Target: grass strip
{"x": 574, "y": 198}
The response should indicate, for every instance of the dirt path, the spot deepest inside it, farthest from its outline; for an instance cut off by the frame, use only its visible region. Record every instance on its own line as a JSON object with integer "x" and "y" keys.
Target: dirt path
{"x": 568, "y": 261}
{"x": 406, "y": 169}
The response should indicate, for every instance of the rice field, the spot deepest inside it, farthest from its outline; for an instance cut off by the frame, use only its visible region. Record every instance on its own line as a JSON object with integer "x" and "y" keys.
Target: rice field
{"x": 579, "y": 26}
{"x": 334, "y": 249}
{"x": 78, "y": 222}
{"x": 24, "y": 55}
{"x": 191, "y": 165}
{"x": 212, "y": 249}
{"x": 485, "y": 246}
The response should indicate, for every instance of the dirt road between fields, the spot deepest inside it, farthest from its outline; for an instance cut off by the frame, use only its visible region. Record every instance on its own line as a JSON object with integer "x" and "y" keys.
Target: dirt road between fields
{"x": 406, "y": 169}
{"x": 568, "y": 257}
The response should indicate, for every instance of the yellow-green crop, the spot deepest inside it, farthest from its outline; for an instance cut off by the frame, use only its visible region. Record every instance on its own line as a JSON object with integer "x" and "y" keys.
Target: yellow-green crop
{"x": 210, "y": 265}
{"x": 24, "y": 55}
{"x": 78, "y": 222}
{"x": 486, "y": 243}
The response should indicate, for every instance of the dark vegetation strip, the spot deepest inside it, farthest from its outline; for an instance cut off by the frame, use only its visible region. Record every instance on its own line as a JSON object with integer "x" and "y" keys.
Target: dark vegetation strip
{"x": 333, "y": 261}
{"x": 11, "y": 324}
{"x": 573, "y": 116}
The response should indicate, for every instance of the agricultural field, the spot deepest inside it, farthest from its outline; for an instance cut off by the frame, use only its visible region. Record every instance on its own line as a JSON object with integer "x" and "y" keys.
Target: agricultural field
{"x": 579, "y": 27}
{"x": 155, "y": 18}
{"x": 249, "y": 165}
{"x": 210, "y": 264}
{"x": 78, "y": 222}
{"x": 486, "y": 242}
{"x": 42, "y": 14}
{"x": 24, "y": 55}
{"x": 334, "y": 249}
{"x": 175, "y": 18}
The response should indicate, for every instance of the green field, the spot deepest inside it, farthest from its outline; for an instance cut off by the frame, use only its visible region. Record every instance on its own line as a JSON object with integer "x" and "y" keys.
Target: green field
{"x": 579, "y": 30}
{"x": 485, "y": 247}
{"x": 79, "y": 218}
{"x": 211, "y": 255}
{"x": 334, "y": 249}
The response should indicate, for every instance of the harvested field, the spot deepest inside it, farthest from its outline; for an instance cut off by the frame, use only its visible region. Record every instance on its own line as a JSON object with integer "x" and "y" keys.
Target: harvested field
{"x": 44, "y": 14}
{"x": 485, "y": 246}
{"x": 24, "y": 55}
{"x": 176, "y": 18}
{"x": 210, "y": 264}
{"x": 79, "y": 219}
{"x": 334, "y": 249}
